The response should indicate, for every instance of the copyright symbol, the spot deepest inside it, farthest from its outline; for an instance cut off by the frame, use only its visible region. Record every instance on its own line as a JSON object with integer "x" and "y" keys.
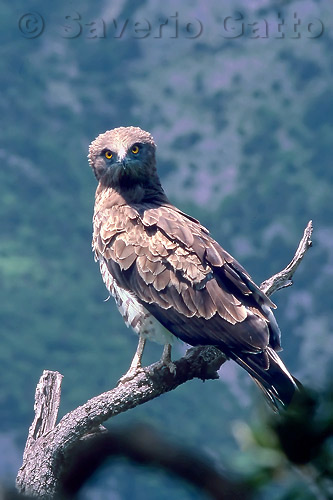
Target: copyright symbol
{"x": 31, "y": 25}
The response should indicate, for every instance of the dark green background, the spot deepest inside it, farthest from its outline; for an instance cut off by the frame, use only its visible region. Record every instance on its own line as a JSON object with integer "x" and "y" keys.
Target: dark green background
{"x": 244, "y": 133}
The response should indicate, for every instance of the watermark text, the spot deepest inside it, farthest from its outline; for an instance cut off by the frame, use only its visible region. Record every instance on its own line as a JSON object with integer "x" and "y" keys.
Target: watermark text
{"x": 32, "y": 25}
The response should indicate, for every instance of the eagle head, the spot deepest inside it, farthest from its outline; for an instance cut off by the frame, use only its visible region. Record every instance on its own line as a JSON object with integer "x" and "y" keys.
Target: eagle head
{"x": 123, "y": 158}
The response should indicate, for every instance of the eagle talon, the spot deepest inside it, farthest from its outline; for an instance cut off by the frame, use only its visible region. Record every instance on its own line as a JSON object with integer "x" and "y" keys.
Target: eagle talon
{"x": 130, "y": 375}
{"x": 162, "y": 364}
{"x": 172, "y": 368}
{"x": 165, "y": 361}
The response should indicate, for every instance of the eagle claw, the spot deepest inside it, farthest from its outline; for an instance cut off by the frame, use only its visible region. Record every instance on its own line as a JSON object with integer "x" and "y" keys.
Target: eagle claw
{"x": 130, "y": 375}
{"x": 162, "y": 363}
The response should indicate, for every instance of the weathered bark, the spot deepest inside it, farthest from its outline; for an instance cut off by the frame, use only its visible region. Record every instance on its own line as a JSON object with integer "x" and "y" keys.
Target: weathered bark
{"x": 44, "y": 455}
{"x": 284, "y": 277}
{"x": 49, "y": 445}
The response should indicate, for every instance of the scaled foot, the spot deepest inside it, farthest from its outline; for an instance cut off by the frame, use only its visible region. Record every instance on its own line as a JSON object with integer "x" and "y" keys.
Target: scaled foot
{"x": 130, "y": 375}
{"x": 165, "y": 363}
{"x": 166, "y": 360}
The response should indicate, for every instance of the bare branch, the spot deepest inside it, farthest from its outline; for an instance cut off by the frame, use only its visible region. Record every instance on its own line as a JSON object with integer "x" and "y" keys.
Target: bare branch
{"x": 44, "y": 458}
{"x": 47, "y": 402}
{"x": 284, "y": 277}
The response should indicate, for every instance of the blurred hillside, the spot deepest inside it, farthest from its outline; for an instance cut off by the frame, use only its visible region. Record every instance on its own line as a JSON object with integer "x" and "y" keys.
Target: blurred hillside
{"x": 244, "y": 133}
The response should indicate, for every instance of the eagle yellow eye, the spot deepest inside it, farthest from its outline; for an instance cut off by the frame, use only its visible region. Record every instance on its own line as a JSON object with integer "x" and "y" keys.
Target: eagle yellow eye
{"x": 135, "y": 149}
{"x": 108, "y": 154}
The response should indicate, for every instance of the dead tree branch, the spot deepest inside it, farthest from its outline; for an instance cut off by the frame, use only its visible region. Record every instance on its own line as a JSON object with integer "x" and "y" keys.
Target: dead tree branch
{"x": 49, "y": 445}
{"x": 45, "y": 455}
{"x": 284, "y": 277}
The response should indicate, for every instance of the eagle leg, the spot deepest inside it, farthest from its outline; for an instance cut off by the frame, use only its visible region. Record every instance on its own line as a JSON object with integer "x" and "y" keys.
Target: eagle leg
{"x": 166, "y": 355}
{"x": 135, "y": 367}
{"x": 166, "y": 360}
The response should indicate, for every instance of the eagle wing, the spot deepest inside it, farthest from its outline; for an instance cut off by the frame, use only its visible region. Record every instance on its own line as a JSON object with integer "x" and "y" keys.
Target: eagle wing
{"x": 184, "y": 277}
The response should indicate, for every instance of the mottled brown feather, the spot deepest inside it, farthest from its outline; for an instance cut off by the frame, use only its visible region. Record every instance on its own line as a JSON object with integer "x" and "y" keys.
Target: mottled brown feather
{"x": 160, "y": 262}
{"x": 162, "y": 280}
{"x": 181, "y": 270}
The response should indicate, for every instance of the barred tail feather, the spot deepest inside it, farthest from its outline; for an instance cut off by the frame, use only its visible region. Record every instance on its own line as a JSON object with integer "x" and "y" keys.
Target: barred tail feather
{"x": 277, "y": 384}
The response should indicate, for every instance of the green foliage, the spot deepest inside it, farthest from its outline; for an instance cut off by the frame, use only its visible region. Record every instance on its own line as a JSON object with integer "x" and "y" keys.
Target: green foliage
{"x": 301, "y": 437}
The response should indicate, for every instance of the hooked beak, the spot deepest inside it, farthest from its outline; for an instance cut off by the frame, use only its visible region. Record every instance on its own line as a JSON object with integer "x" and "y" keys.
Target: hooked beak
{"x": 122, "y": 159}
{"x": 124, "y": 163}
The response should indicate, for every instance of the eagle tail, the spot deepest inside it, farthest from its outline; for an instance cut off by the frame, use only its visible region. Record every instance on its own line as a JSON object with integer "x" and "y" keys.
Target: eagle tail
{"x": 273, "y": 378}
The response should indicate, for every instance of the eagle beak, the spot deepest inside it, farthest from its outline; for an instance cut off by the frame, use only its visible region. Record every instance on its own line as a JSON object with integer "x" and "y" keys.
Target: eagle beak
{"x": 122, "y": 158}
{"x": 124, "y": 163}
